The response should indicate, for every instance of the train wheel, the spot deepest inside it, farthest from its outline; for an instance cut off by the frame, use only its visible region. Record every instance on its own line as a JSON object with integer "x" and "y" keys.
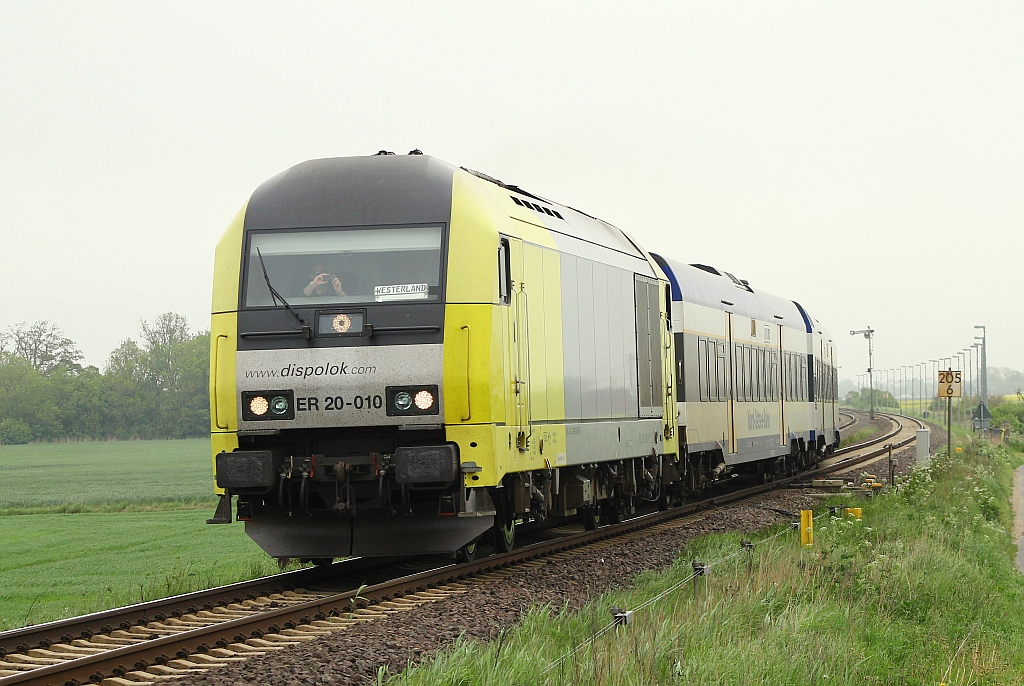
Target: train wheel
{"x": 467, "y": 553}
{"x": 591, "y": 517}
{"x": 504, "y": 536}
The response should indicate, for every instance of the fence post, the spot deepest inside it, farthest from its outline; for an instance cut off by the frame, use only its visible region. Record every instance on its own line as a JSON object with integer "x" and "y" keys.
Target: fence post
{"x": 807, "y": 527}
{"x": 698, "y": 571}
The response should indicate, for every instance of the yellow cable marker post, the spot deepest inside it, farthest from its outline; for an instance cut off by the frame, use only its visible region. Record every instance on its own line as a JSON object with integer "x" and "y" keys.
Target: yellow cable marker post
{"x": 807, "y": 527}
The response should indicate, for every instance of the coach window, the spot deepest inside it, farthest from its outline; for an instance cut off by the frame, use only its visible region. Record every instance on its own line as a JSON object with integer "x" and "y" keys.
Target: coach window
{"x": 680, "y": 369}
{"x": 755, "y": 358}
{"x": 785, "y": 376}
{"x": 748, "y": 362}
{"x": 702, "y": 368}
{"x": 752, "y": 374}
{"x": 794, "y": 379}
{"x": 762, "y": 377}
{"x": 787, "y": 361}
{"x": 775, "y": 376}
{"x": 711, "y": 370}
{"x": 803, "y": 378}
{"x": 504, "y": 273}
{"x": 722, "y": 390}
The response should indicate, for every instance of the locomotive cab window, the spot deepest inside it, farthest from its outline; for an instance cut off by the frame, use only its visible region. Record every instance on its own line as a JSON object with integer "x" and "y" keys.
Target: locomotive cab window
{"x": 330, "y": 266}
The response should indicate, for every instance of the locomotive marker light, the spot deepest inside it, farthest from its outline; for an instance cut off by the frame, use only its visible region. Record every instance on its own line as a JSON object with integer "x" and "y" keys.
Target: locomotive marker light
{"x": 403, "y": 401}
{"x": 949, "y": 387}
{"x": 279, "y": 405}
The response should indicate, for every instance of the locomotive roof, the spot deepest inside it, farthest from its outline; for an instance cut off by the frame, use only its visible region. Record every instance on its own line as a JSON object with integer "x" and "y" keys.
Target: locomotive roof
{"x": 708, "y": 286}
{"x": 346, "y": 191}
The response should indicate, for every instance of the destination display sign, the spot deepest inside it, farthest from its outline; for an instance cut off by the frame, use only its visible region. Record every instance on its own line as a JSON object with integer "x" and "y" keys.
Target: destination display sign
{"x": 405, "y": 291}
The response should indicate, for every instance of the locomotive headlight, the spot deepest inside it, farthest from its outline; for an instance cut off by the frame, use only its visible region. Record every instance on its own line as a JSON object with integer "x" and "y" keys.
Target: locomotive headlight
{"x": 424, "y": 400}
{"x": 410, "y": 401}
{"x": 264, "y": 406}
{"x": 341, "y": 323}
{"x": 331, "y": 324}
{"x": 279, "y": 405}
{"x": 259, "y": 406}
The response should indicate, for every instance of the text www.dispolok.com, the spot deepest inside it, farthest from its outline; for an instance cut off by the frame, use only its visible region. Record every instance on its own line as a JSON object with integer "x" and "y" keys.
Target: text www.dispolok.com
{"x": 299, "y": 372}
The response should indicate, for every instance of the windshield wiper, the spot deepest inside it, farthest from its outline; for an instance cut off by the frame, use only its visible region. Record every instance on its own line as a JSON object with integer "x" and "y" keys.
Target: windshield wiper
{"x": 306, "y": 331}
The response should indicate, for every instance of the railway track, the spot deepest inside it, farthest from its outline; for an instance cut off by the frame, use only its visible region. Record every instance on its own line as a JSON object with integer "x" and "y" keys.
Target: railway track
{"x": 189, "y": 634}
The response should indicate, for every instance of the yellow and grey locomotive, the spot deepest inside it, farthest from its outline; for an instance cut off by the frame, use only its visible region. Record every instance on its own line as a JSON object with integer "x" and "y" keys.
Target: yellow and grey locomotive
{"x": 407, "y": 355}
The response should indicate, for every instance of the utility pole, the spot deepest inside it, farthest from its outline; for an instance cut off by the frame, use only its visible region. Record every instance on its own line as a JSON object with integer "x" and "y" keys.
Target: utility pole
{"x": 903, "y": 388}
{"x": 869, "y": 333}
{"x": 983, "y": 406}
{"x": 925, "y": 399}
{"x": 933, "y": 386}
{"x": 977, "y": 374}
{"x": 970, "y": 384}
{"x": 961, "y": 363}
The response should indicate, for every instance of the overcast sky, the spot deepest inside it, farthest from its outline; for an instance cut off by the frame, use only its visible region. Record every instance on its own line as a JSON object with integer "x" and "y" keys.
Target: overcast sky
{"x": 863, "y": 158}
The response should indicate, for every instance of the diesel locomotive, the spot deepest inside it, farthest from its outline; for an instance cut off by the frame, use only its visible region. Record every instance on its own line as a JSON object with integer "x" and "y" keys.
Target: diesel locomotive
{"x": 407, "y": 356}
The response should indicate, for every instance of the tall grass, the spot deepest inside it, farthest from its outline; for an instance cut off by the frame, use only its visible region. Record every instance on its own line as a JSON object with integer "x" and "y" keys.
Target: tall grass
{"x": 858, "y": 436}
{"x": 922, "y": 591}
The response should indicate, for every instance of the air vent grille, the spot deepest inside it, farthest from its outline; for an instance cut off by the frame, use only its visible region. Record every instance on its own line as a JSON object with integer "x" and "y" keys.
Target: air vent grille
{"x": 538, "y": 208}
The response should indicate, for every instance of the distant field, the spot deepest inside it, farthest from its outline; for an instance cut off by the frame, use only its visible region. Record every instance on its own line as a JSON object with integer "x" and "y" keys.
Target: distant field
{"x": 62, "y": 565}
{"x": 105, "y": 476}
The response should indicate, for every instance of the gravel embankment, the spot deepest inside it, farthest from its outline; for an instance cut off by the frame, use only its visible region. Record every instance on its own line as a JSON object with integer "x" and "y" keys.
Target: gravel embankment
{"x": 353, "y": 656}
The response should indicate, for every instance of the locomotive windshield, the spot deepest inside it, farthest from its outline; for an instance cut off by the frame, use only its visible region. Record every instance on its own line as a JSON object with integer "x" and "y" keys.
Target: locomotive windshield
{"x": 329, "y": 266}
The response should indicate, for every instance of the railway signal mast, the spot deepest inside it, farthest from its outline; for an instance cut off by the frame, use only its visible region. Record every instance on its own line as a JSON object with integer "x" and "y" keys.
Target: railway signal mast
{"x": 869, "y": 333}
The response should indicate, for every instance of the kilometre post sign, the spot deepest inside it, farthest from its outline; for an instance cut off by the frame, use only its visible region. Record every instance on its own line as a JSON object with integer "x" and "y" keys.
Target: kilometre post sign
{"x": 949, "y": 384}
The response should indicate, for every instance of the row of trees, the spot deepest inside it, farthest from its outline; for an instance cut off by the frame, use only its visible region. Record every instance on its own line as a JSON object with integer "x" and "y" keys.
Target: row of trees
{"x": 155, "y": 387}
{"x": 861, "y": 400}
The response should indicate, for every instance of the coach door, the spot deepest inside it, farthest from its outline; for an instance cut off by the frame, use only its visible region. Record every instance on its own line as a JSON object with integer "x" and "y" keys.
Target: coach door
{"x": 732, "y": 383}
{"x": 779, "y": 371}
{"x": 649, "y": 347}
{"x": 516, "y": 297}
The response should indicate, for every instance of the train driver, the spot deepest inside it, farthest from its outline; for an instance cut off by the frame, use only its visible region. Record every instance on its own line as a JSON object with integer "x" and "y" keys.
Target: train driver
{"x": 320, "y": 281}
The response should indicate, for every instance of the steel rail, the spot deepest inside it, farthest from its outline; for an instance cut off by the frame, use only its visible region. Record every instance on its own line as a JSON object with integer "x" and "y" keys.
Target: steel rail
{"x": 41, "y": 635}
{"x": 164, "y": 649}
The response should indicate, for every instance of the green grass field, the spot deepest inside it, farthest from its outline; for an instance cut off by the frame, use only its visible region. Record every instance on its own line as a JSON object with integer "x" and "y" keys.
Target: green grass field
{"x": 90, "y": 526}
{"x": 922, "y": 591}
{"x": 62, "y": 565}
{"x": 104, "y": 476}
